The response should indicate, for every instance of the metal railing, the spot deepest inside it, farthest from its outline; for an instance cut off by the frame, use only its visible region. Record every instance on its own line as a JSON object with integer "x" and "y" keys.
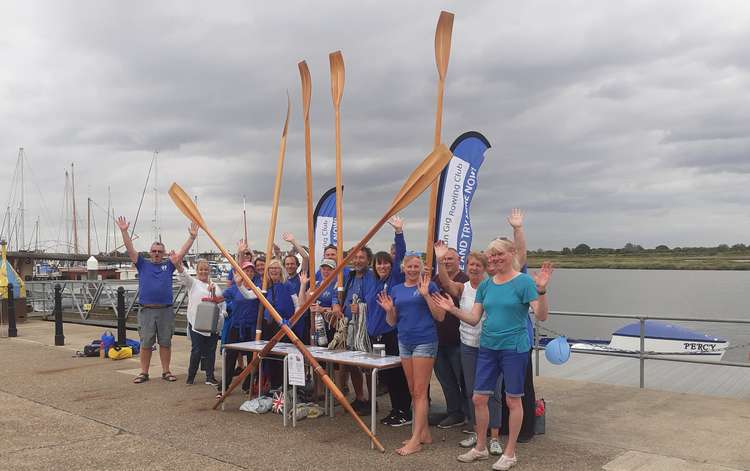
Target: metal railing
{"x": 642, "y": 355}
{"x": 88, "y": 296}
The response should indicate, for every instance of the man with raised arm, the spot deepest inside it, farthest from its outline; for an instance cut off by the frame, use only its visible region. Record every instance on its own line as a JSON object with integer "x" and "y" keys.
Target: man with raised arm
{"x": 156, "y": 316}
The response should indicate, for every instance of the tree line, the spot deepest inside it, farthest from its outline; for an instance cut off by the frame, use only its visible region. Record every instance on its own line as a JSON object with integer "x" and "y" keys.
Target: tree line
{"x": 634, "y": 249}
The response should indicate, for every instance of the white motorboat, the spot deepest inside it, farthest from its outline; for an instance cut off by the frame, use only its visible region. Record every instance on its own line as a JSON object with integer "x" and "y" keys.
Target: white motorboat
{"x": 660, "y": 338}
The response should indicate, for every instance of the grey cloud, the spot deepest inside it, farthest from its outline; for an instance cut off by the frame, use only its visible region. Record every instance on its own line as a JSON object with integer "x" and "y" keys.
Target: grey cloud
{"x": 609, "y": 122}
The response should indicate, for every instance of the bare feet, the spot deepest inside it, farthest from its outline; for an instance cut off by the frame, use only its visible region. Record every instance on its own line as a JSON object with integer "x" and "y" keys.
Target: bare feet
{"x": 409, "y": 448}
{"x": 425, "y": 440}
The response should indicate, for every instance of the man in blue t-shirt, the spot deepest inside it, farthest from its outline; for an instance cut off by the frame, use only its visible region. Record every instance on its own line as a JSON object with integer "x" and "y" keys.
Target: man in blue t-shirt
{"x": 156, "y": 316}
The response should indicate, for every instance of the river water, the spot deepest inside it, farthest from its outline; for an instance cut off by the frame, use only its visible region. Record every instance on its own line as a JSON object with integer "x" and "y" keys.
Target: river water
{"x": 683, "y": 293}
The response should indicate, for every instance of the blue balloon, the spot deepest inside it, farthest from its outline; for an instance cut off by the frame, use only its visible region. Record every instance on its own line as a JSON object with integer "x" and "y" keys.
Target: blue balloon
{"x": 557, "y": 351}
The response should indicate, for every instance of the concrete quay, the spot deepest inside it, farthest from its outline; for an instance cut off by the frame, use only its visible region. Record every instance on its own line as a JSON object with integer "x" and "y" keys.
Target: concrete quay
{"x": 62, "y": 412}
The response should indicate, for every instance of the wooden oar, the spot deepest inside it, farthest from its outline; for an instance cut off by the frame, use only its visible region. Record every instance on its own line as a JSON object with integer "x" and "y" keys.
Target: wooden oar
{"x": 337, "y": 91}
{"x": 188, "y": 208}
{"x": 443, "y": 34}
{"x": 304, "y": 74}
{"x": 274, "y": 212}
{"x": 414, "y": 186}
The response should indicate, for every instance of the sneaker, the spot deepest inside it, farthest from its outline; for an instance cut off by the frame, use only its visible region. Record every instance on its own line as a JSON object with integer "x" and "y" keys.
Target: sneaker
{"x": 388, "y": 417}
{"x": 212, "y": 381}
{"x": 495, "y": 448}
{"x": 469, "y": 442}
{"x": 190, "y": 380}
{"x": 473, "y": 455}
{"x": 451, "y": 421}
{"x": 399, "y": 419}
{"x": 504, "y": 463}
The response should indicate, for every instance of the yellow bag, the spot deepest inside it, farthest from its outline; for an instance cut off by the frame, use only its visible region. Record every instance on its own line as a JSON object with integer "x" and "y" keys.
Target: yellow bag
{"x": 120, "y": 353}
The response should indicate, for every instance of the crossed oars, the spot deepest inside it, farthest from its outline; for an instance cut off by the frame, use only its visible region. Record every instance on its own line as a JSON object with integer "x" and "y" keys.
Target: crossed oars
{"x": 417, "y": 182}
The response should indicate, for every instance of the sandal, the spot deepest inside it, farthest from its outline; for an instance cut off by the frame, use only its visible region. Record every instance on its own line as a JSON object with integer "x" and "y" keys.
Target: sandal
{"x": 168, "y": 376}
{"x": 141, "y": 378}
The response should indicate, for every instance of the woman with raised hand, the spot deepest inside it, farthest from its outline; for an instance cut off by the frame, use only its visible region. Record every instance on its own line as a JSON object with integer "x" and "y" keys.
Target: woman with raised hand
{"x": 282, "y": 296}
{"x": 476, "y": 266}
{"x": 243, "y": 316}
{"x": 389, "y": 274}
{"x": 203, "y": 344}
{"x": 503, "y": 343}
{"x": 410, "y": 308}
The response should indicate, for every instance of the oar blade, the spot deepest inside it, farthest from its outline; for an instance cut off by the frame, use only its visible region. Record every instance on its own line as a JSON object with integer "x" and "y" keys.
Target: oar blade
{"x": 443, "y": 34}
{"x": 304, "y": 74}
{"x": 185, "y": 204}
{"x": 421, "y": 177}
{"x": 336, "y": 60}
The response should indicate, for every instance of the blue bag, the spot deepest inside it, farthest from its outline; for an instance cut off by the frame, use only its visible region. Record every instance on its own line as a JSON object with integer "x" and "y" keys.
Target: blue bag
{"x": 134, "y": 344}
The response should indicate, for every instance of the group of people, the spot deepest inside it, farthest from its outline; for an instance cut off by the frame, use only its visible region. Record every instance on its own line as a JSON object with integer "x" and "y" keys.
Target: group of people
{"x": 473, "y": 328}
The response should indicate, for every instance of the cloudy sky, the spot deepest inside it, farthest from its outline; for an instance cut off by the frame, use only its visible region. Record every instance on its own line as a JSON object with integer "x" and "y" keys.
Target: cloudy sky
{"x": 611, "y": 122}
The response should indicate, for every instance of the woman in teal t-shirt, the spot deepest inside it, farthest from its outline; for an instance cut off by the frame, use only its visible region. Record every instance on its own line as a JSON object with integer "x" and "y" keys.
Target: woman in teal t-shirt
{"x": 504, "y": 342}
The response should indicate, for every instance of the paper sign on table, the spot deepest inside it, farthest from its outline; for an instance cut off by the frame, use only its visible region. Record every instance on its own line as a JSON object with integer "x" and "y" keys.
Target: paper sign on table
{"x": 296, "y": 369}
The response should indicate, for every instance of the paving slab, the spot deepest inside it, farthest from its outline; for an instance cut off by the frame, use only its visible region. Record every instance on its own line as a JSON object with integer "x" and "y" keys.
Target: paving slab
{"x": 86, "y": 412}
{"x": 637, "y": 461}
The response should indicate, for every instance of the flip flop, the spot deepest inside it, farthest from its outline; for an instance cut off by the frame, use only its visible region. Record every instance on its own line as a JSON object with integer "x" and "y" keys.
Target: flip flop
{"x": 168, "y": 376}
{"x": 141, "y": 378}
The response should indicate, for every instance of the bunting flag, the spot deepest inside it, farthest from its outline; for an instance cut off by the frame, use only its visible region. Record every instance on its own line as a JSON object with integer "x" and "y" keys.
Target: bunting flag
{"x": 458, "y": 182}
{"x": 325, "y": 223}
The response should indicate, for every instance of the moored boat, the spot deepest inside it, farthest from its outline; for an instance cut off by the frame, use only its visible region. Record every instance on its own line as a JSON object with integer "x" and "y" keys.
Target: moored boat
{"x": 660, "y": 338}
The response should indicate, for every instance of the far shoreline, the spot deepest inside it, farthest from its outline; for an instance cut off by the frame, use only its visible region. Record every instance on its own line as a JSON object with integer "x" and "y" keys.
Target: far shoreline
{"x": 726, "y": 262}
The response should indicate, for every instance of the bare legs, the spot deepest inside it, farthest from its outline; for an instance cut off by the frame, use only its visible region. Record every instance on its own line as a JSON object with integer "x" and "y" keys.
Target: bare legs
{"x": 418, "y": 371}
{"x": 165, "y": 355}
{"x": 482, "y": 417}
{"x": 515, "y": 420}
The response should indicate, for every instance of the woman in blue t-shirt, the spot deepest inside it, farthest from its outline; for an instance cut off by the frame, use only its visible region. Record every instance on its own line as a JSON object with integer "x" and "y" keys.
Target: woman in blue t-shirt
{"x": 388, "y": 273}
{"x": 282, "y": 296}
{"x": 240, "y": 325}
{"x": 504, "y": 342}
{"x": 412, "y": 310}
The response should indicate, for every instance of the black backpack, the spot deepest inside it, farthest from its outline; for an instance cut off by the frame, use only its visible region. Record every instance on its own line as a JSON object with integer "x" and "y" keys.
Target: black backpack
{"x": 92, "y": 349}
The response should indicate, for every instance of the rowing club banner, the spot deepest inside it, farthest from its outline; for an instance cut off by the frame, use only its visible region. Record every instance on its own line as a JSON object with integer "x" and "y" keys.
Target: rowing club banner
{"x": 458, "y": 182}
{"x": 325, "y": 223}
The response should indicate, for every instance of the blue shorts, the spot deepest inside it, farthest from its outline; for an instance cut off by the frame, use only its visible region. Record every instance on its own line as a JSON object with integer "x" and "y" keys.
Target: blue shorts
{"x": 493, "y": 363}
{"x": 420, "y": 350}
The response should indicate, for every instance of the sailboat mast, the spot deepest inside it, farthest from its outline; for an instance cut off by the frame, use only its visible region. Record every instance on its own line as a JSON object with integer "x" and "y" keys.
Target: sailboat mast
{"x": 106, "y": 232}
{"x": 66, "y": 211}
{"x": 114, "y": 232}
{"x": 21, "y": 205}
{"x": 157, "y": 231}
{"x": 75, "y": 215}
{"x": 88, "y": 225}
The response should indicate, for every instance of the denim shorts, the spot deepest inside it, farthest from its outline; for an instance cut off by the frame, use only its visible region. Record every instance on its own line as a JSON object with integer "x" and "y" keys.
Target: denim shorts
{"x": 493, "y": 363}
{"x": 420, "y": 350}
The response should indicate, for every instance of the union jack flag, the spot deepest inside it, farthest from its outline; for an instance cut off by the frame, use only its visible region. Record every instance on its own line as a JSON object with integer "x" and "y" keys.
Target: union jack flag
{"x": 278, "y": 402}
